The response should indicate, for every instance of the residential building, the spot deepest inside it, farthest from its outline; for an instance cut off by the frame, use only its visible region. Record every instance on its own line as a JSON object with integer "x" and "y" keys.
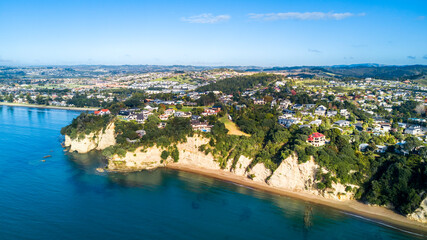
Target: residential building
{"x": 316, "y": 139}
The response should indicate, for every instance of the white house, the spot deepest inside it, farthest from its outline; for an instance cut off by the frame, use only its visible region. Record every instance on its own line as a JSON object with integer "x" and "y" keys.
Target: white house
{"x": 414, "y": 130}
{"x": 320, "y": 110}
{"x": 342, "y": 123}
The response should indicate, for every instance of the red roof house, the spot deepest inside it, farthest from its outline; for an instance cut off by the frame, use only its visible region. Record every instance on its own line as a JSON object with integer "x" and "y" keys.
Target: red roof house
{"x": 316, "y": 139}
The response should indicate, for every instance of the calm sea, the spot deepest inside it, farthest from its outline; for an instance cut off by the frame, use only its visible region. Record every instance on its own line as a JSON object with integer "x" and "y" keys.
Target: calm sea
{"x": 65, "y": 198}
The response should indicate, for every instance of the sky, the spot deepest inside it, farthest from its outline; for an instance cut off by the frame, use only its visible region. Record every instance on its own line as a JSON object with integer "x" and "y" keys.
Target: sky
{"x": 216, "y": 33}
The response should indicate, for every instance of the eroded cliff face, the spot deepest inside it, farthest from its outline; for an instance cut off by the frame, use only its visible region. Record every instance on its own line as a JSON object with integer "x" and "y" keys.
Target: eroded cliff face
{"x": 99, "y": 140}
{"x": 141, "y": 158}
{"x": 290, "y": 175}
{"x": 420, "y": 214}
{"x": 294, "y": 176}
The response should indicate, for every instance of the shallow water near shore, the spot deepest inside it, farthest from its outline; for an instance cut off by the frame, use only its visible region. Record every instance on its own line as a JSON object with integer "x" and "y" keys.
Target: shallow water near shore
{"x": 64, "y": 197}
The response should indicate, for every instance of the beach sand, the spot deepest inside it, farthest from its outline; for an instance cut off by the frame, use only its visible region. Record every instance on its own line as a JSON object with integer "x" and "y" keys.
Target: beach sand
{"x": 378, "y": 214}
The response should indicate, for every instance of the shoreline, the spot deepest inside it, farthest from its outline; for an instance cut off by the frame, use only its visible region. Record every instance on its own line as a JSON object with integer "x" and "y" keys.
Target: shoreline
{"x": 46, "y": 106}
{"x": 377, "y": 214}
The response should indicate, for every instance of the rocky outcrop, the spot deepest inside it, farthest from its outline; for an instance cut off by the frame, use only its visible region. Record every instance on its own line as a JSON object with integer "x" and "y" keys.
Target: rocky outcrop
{"x": 94, "y": 141}
{"x": 420, "y": 214}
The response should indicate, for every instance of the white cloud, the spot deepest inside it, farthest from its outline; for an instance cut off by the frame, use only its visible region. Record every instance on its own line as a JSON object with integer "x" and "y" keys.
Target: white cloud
{"x": 206, "y": 18}
{"x": 303, "y": 15}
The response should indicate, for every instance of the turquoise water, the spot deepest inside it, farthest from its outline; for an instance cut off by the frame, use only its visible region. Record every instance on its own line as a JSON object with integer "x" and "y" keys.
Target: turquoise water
{"x": 65, "y": 198}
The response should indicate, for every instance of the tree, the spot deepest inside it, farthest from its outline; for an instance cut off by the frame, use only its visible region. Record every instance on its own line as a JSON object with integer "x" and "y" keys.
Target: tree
{"x": 164, "y": 155}
{"x": 420, "y": 109}
{"x": 412, "y": 143}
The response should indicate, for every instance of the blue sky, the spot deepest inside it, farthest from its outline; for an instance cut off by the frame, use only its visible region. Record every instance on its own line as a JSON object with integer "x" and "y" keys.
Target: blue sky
{"x": 263, "y": 33}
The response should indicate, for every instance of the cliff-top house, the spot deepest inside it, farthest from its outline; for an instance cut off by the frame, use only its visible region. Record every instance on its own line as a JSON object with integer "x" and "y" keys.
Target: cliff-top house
{"x": 316, "y": 139}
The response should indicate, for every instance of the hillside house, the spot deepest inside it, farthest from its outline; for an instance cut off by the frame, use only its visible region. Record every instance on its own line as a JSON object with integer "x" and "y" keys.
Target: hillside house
{"x": 316, "y": 139}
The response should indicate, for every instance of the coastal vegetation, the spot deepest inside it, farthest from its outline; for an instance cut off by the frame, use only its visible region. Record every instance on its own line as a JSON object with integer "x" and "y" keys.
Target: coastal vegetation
{"x": 86, "y": 124}
{"x": 395, "y": 176}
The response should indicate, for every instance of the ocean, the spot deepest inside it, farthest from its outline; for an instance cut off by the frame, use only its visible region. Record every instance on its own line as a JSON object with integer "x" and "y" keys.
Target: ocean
{"x": 64, "y": 197}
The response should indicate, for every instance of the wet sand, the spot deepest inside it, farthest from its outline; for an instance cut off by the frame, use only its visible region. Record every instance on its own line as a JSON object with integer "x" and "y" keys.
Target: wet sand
{"x": 377, "y": 214}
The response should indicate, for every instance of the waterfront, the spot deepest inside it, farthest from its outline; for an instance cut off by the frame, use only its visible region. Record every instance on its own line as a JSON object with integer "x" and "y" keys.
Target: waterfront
{"x": 64, "y": 197}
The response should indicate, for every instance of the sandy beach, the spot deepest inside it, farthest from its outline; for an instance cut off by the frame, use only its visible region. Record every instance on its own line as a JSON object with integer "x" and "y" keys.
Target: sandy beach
{"x": 47, "y": 107}
{"x": 378, "y": 214}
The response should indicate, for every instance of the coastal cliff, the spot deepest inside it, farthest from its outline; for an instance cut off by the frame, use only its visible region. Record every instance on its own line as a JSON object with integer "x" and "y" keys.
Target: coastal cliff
{"x": 420, "y": 214}
{"x": 289, "y": 176}
{"x": 94, "y": 141}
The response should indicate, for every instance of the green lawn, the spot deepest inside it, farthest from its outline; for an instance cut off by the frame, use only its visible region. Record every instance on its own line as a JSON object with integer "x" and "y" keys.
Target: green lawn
{"x": 232, "y": 127}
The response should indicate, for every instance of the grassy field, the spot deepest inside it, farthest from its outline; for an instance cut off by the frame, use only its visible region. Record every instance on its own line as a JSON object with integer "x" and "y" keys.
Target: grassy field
{"x": 232, "y": 127}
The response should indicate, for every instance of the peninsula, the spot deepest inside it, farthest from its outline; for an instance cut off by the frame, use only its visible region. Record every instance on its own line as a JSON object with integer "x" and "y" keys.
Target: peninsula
{"x": 292, "y": 140}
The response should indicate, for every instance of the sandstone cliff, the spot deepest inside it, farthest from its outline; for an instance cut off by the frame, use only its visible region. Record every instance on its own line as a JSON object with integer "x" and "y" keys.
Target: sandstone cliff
{"x": 302, "y": 177}
{"x": 98, "y": 141}
{"x": 290, "y": 175}
{"x": 420, "y": 214}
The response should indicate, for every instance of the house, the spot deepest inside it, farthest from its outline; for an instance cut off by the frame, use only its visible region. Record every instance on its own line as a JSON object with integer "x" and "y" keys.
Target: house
{"x": 140, "y": 118}
{"x": 287, "y": 122}
{"x": 259, "y": 102}
{"x": 297, "y": 107}
{"x": 331, "y": 113}
{"x": 169, "y": 111}
{"x": 316, "y": 122}
{"x": 363, "y": 147}
{"x": 344, "y": 112}
{"x": 124, "y": 112}
{"x": 239, "y": 107}
{"x": 359, "y": 126}
{"x": 316, "y": 139}
{"x": 211, "y": 111}
{"x": 195, "y": 117}
{"x": 342, "y": 123}
{"x": 320, "y": 110}
{"x": 162, "y": 125}
{"x": 164, "y": 117}
{"x": 285, "y": 104}
{"x": 201, "y": 126}
{"x": 102, "y": 112}
{"x": 309, "y": 106}
{"x": 414, "y": 130}
{"x": 381, "y": 149}
{"x": 385, "y": 127}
